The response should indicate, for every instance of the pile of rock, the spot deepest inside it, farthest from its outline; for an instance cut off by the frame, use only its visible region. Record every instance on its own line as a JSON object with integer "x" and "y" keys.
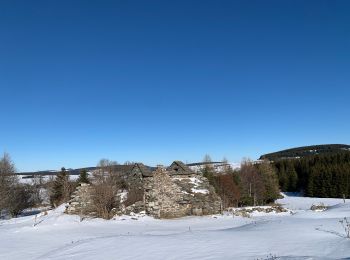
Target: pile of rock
{"x": 173, "y": 196}
{"x": 137, "y": 207}
{"x": 319, "y": 207}
{"x": 246, "y": 212}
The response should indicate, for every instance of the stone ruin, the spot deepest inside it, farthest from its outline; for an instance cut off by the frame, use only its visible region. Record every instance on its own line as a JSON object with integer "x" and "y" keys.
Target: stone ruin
{"x": 81, "y": 202}
{"x": 171, "y": 192}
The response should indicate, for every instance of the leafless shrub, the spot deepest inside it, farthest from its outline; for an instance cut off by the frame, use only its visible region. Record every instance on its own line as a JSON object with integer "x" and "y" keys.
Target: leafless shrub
{"x": 20, "y": 198}
{"x": 36, "y": 186}
{"x": 104, "y": 199}
{"x": 106, "y": 183}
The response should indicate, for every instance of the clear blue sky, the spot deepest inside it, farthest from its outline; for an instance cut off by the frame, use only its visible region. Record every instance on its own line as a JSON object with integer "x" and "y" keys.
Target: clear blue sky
{"x": 156, "y": 81}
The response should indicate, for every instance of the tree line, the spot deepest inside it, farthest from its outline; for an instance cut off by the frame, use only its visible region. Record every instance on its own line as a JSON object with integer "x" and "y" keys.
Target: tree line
{"x": 300, "y": 152}
{"x": 324, "y": 175}
{"x": 106, "y": 181}
{"x": 16, "y": 196}
{"x": 251, "y": 185}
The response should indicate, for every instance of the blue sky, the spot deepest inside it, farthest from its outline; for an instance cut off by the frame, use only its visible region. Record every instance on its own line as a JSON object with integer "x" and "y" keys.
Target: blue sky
{"x": 155, "y": 81}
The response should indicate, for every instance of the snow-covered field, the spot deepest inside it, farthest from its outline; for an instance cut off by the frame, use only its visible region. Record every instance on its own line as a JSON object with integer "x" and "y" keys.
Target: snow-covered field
{"x": 302, "y": 235}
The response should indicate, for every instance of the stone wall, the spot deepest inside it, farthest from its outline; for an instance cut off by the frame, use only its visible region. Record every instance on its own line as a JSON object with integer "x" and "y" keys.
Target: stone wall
{"x": 81, "y": 202}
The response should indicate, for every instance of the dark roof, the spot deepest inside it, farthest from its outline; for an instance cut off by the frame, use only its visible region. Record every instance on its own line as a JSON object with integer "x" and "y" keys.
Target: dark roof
{"x": 178, "y": 167}
{"x": 145, "y": 170}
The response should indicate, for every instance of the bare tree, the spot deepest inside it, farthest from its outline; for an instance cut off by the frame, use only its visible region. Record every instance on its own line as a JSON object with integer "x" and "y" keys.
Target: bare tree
{"x": 226, "y": 167}
{"x": 36, "y": 186}
{"x": 129, "y": 163}
{"x": 14, "y": 197}
{"x": 207, "y": 169}
{"x": 105, "y": 169}
{"x": 8, "y": 180}
{"x": 228, "y": 190}
{"x": 7, "y": 171}
{"x": 207, "y": 158}
{"x": 106, "y": 183}
{"x": 252, "y": 183}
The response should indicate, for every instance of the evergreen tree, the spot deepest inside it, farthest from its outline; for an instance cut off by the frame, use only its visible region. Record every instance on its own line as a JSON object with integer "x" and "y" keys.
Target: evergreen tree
{"x": 270, "y": 181}
{"x": 322, "y": 175}
{"x": 309, "y": 190}
{"x": 83, "y": 177}
{"x": 283, "y": 179}
{"x": 60, "y": 190}
{"x": 208, "y": 171}
{"x": 292, "y": 178}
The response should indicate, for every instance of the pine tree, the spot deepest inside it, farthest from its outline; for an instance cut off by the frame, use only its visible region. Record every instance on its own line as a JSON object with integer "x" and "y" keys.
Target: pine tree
{"x": 60, "y": 190}
{"x": 283, "y": 179}
{"x": 309, "y": 191}
{"x": 322, "y": 175}
{"x": 208, "y": 171}
{"x": 292, "y": 178}
{"x": 83, "y": 177}
{"x": 270, "y": 181}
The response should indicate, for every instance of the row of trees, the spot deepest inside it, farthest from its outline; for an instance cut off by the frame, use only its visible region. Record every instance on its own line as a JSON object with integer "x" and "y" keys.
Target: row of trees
{"x": 106, "y": 182}
{"x": 325, "y": 175}
{"x": 253, "y": 184}
{"x": 16, "y": 196}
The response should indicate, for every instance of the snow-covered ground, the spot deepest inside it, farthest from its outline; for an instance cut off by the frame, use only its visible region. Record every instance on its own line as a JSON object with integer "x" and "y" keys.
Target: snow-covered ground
{"x": 302, "y": 235}
{"x": 44, "y": 178}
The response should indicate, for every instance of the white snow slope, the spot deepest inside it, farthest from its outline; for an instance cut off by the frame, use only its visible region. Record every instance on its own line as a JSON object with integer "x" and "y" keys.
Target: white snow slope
{"x": 303, "y": 235}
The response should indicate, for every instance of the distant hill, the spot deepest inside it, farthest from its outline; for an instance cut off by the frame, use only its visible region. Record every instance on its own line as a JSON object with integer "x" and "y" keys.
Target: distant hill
{"x": 304, "y": 151}
{"x": 71, "y": 172}
{"x": 218, "y": 166}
